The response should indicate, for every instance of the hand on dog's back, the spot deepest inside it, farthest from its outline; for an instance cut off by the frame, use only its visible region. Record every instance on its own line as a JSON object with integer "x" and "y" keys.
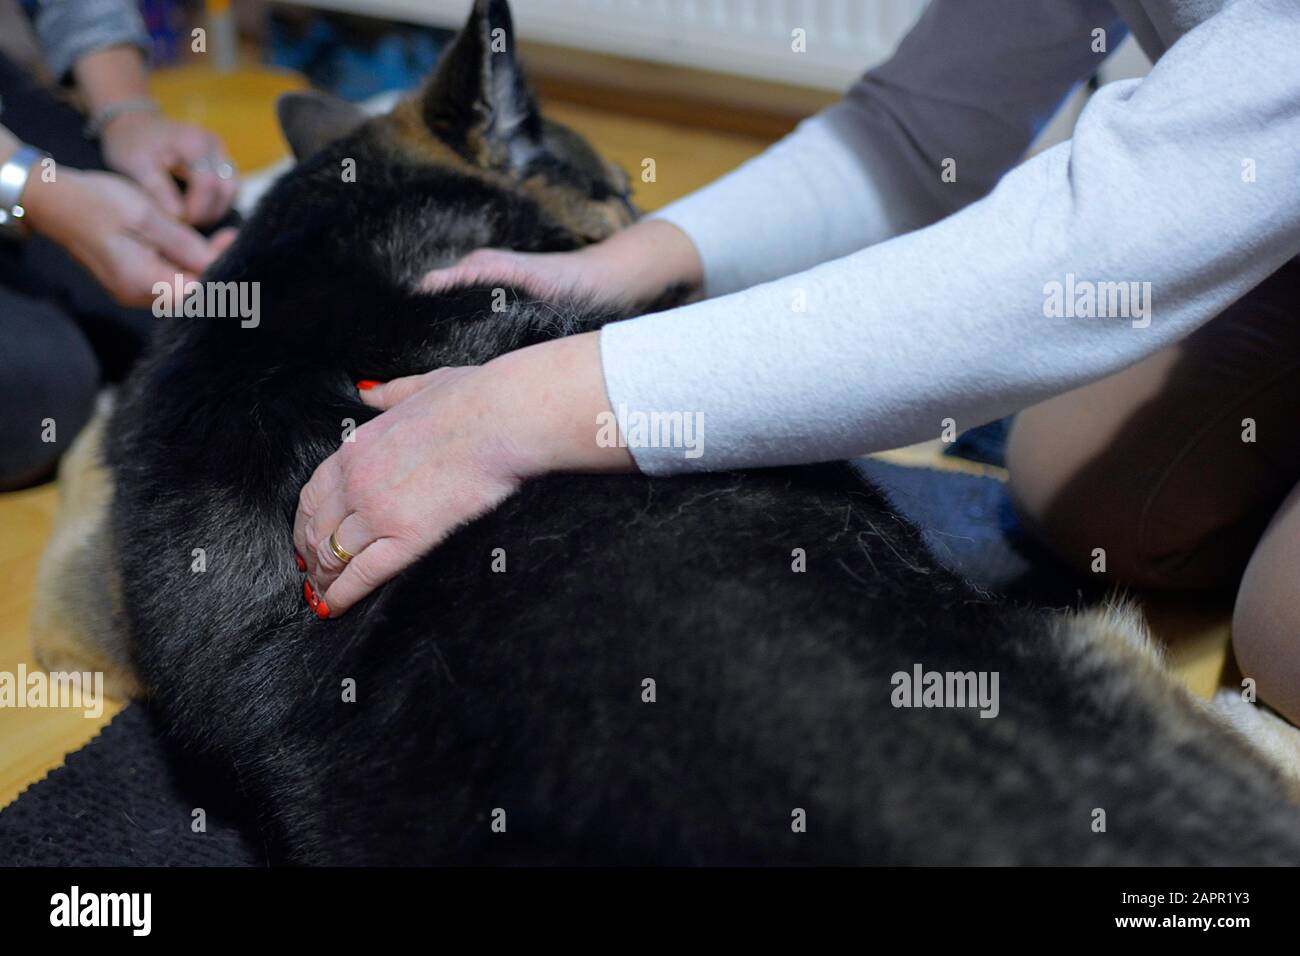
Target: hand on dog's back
{"x": 633, "y": 266}
{"x": 427, "y": 464}
{"x": 454, "y": 443}
{"x": 449, "y": 445}
{"x": 546, "y": 275}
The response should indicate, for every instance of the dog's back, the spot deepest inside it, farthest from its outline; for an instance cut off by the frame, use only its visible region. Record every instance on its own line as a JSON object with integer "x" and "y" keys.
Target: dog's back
{"x": 604, "y": 669}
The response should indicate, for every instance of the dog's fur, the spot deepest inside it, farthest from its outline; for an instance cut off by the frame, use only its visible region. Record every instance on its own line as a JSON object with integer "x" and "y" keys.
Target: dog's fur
{"x": 77, "y": 622}
{"x": 519, "y": 697}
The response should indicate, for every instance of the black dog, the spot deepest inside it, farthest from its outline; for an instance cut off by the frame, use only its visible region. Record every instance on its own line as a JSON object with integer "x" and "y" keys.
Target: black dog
{"x": 653, "y": 678}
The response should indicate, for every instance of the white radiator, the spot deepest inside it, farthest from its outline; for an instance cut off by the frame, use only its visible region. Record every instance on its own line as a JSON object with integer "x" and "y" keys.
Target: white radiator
{"x": 745, "y": 37}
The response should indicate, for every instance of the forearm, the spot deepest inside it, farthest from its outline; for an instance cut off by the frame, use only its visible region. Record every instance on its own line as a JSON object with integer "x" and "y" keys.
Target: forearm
{"x": 554, "y": 395}
{"x": 111, "y": 75}
{"x": 878, "y": 348}
{"x": 647, "y": 259}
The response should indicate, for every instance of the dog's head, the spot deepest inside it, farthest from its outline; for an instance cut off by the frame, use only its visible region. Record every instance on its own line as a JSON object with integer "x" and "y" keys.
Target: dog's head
{"x": 476, "y": 115}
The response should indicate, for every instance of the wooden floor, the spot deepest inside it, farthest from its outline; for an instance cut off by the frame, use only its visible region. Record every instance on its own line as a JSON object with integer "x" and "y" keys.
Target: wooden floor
{"x": 239, "y": 107}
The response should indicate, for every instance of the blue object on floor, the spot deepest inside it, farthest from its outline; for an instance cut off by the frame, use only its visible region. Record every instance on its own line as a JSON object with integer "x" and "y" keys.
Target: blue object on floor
{"x": 986, "y": 444}
{"x": 970, "y": 526}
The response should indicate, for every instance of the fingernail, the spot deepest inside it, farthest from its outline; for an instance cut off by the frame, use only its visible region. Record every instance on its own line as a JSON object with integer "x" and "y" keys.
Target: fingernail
{"x": 366, "y": 384}
{"x": 302, "y": 565}
{"x": 309, "y": 594}
{"x": 322, "y": 610}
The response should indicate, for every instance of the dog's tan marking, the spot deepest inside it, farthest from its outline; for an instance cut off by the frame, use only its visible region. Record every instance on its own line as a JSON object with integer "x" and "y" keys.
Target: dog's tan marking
{"x": 409, "y": 133}
{"x": 585, "y": 218}
{"x": 77, "y": 622}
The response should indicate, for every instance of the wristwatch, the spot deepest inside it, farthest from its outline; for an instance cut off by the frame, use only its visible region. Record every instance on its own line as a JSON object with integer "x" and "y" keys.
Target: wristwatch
{"x": 13, "y": 180}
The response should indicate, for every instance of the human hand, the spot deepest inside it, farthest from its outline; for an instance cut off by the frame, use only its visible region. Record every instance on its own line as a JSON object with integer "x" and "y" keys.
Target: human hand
{"x": 151, "y": 149}
{"x": 449, "y": 445}
{"x": 433, "y": 460}
{"x": 111, "y": 227}
{"x": 633, "y": 266}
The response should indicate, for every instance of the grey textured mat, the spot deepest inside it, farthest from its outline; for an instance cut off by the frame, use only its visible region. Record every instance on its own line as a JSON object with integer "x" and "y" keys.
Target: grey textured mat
{"x": 121, "y": 800}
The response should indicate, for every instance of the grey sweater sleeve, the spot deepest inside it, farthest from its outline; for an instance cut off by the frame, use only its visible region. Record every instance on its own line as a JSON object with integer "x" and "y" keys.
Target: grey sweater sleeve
{"x": 1178, "y": 190}
{"x": 970, "y": 86}
{"x": 69, "y": 29}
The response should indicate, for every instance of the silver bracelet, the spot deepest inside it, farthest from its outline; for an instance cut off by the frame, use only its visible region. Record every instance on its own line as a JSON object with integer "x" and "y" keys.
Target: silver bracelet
{"x": 14, "y": 174}
{"x": 106, "y": 114}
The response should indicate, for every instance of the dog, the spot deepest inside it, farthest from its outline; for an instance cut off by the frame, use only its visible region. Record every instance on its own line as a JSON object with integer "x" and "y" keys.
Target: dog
{"x": 743, "y": 668}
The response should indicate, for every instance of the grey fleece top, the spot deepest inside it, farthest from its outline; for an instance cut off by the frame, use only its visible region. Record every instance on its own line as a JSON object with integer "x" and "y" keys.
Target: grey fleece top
{"x": 69, "y": 29}
{"x": 889, "y": 266}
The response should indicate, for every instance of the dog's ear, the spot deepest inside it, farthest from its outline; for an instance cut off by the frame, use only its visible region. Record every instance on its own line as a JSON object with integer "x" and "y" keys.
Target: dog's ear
{"x": 478, "y": 101}
{"x": 310, "y": 120}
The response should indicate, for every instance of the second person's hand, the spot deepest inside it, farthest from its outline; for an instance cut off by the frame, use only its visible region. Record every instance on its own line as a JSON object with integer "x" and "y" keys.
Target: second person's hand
{"x": 152, "y": 149}
{"x": 113, "y": 229}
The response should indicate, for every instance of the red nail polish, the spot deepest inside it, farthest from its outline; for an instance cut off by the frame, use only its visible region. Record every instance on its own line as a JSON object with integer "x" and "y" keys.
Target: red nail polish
{"x": 366, "y": 384}
{"x": 322, "y": 610}
{"x": 309, "y": 594}
{"x": 302, "y": 565}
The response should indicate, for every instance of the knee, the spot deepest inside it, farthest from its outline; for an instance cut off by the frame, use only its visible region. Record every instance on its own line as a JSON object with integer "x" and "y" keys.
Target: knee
{"x": 1082, "y": 503}
{"x": 47, "y": 396}
{"x": 1040, "y": 471}
{"x": 1267, "y": 652}
{"x": 1266, "y": 631}
{"x": 1065, "y": 501}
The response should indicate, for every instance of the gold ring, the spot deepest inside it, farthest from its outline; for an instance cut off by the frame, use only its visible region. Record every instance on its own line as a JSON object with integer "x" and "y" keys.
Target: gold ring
{"x": 338, "y": 549}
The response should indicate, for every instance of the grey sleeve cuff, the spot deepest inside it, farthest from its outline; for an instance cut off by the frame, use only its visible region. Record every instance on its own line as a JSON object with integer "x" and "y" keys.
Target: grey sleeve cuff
{"x": 70, "y": 29}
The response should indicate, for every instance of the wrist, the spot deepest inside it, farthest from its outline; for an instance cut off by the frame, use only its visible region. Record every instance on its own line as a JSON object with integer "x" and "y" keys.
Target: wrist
{"x": 651, "y": 256}
{"x": 47, "y": 201}
{"x": 552, "y": 398}
{"x": 110, "y": 75}
{"x": 112, "y": 119}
